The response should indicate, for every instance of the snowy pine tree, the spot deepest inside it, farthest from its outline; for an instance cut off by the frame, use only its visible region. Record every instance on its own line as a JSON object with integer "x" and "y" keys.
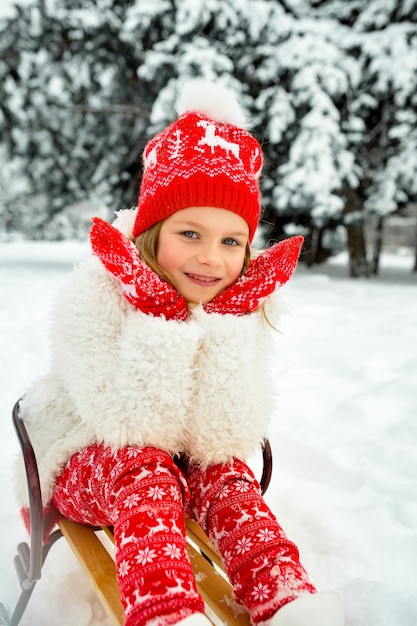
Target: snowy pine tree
{"x": 330, "y": 88}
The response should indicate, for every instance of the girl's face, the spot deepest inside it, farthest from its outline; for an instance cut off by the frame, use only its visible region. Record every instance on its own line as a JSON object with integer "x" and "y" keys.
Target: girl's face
{"x": 202, "y": 249}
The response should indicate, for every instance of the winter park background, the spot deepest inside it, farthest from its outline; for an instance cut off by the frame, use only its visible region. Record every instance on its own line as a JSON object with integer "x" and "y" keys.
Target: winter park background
{"x": 331, "y": 88}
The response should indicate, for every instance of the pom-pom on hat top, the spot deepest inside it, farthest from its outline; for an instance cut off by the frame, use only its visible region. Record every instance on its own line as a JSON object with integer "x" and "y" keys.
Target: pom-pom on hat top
{"x": 205, "y": 158}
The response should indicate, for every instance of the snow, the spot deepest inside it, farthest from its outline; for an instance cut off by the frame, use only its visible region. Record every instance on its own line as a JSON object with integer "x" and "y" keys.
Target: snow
{"x": 8, "y": 7}
{"x": 344, "y": 437}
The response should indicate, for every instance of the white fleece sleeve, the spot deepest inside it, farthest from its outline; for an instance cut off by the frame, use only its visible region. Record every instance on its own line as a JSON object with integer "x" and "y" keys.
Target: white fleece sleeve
{"x": 128, "y": 374}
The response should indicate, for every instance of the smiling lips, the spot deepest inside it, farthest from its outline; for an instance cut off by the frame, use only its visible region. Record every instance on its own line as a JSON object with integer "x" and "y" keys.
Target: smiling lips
{"x": 205, "y": 281}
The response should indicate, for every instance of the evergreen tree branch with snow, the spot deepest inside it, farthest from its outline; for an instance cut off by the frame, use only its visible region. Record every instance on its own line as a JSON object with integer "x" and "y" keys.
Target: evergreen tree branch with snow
{"x": 330, "y": 88}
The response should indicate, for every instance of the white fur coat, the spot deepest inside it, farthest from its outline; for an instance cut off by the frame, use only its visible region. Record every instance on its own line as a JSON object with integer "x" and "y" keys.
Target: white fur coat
{"x": 122, "y": 377}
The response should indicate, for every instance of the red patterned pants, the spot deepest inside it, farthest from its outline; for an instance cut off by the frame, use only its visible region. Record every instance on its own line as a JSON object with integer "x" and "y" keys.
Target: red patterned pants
{"x": 142, "y": 493}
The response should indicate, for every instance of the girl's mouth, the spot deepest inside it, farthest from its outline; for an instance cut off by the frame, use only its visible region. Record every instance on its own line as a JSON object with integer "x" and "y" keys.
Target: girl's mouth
{"x": 204, "y": 281}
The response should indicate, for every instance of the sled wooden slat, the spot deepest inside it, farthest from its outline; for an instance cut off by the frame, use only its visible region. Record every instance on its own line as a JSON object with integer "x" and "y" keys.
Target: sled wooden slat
{"x": 97, "y": 564}
{"x": 197, "y": 536}
{"x": 216, "y": 591}
{"x": 214, "y": 587}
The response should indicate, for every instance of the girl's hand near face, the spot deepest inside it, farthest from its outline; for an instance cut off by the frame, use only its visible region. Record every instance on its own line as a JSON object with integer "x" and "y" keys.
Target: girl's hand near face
{"x": 270, "y": 270}
{"x": 142, "y": 287}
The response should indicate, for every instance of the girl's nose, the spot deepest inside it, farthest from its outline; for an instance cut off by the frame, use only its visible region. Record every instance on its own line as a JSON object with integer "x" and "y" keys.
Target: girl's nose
{"x": 209, "y": 256}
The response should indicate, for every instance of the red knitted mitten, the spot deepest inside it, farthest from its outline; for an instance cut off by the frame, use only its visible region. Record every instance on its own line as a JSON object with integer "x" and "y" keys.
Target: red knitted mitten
{"x": 270, "y": 270}
{"x": 142, "y": 287}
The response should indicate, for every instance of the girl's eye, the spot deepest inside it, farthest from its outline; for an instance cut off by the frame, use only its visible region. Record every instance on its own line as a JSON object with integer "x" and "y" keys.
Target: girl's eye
{"x": 230, "y": 242}
{"x": 190, "y": 234}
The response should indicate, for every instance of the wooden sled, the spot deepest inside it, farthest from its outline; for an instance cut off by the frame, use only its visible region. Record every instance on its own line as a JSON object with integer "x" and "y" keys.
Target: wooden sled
{"x": 93, "y": 548}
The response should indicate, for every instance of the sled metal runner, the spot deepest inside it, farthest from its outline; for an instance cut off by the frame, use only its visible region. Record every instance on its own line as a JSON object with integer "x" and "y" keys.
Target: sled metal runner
{"x": 93, "y": 548}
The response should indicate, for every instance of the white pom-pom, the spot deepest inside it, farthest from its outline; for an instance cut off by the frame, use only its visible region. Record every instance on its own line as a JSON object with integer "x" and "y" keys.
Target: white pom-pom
{"x": 213, "y": 100}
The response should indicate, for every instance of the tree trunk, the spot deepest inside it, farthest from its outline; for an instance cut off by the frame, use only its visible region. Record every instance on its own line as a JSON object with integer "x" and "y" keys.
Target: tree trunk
{"x": 314, "y": 241}
{"x": 415, "y": 253}
{"x": 378, "y": 238}
{"x": 358, "y": 264}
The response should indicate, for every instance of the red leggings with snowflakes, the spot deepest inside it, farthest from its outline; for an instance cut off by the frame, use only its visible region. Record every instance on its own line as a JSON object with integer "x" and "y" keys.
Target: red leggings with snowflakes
{"x": 144, "y": 495}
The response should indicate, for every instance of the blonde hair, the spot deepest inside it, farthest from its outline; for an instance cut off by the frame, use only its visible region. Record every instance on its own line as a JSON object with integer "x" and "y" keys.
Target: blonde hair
{"x": 147, "y": 246}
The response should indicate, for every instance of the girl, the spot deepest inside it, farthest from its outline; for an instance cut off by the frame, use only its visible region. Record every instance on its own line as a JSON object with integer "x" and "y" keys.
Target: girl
{"x": 160, "y": 347}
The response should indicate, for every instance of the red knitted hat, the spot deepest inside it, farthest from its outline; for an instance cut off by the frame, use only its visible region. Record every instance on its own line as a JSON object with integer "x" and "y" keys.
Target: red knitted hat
{"x": 205, "y": 158}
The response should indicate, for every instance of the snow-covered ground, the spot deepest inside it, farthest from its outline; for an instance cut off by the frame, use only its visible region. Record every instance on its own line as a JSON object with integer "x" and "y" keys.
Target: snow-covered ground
{"x": 344, "y": 438}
